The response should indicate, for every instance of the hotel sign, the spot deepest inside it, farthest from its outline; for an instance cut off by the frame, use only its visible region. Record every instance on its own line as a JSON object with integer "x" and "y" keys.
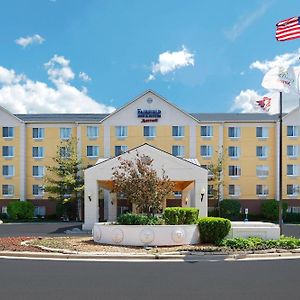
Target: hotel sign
{"x": 149, "y": 115}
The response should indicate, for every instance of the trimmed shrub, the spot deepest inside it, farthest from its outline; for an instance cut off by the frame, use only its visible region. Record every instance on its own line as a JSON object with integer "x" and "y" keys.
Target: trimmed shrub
{"x": 180, "y": 215}
{"x": 213, "y": 230}
{"x": 270, "y": 209}
{"x": 20, "y": 210}
{"x": 290, "y": 218}
{"x": 138, "y": 219}
{"x": 230, "y": 209}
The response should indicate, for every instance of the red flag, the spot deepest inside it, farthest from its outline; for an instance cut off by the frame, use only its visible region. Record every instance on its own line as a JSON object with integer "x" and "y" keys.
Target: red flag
{"x": 288, "y": 29}
{"x": 264, "y": 103}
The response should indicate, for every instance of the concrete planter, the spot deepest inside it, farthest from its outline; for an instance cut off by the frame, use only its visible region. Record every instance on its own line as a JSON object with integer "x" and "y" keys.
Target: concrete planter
{"x": 146, "y": 235}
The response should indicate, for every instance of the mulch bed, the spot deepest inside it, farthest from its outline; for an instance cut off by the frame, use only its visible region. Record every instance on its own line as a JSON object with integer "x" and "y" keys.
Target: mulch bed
{"x": 14, "y": 244}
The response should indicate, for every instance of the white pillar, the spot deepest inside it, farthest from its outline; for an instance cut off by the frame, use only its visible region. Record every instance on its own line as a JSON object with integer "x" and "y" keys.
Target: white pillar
{"x": 196, "y": 196}
{"x": 112, "y": 207}
{"x": 22, "y": 162}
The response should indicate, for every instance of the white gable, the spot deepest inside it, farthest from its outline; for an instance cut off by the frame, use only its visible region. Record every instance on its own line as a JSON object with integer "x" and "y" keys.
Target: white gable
{"x": 8, "y": 119}
{"x": 293, "y": 117}
{"x": 170, "y": 114}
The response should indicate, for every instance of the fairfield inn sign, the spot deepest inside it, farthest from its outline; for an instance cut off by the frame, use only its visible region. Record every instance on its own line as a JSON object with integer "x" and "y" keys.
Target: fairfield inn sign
{"x": 149, "y": 115}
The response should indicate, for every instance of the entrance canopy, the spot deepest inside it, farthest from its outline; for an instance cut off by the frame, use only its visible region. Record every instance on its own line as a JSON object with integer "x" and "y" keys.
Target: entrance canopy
{"x": 188, "y": 176}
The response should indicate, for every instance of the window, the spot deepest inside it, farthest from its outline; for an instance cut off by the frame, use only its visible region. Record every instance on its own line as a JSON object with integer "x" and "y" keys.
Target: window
{"x": 64, "y": 152}
{"x": 4, "y": 210}
{"x": 262, "y": 171}
{"x": 293, "y": 189}
{"x": 177, "y": 194}
{"x": 65, "y": 133}
{"x": 262, "y": 132}
{"x": 120, "y": 150}
{"x": 233, "y": 190}
{"x": 149, "y": 131}
{"x": 178, "y": 131}
{"x": 262, "y": 151}
{"x": 8, "y": 132}
{"x": 206, "y": 131}
{"x": 38, "y": 152}
{"x": 92, "y": 151}
{"x": 7, "y": 190}
{"x": 37, "y": 190}
{"x": 234, "y": 152}
{"x": 292, "y": 150}
{"x": 37, "y": 171}
{"x": 178, "y": 150}
{"x": 262, "y": 190}
{"x": 39, "y": 211}
{"x": 292, "y": 131}
{"x": 292, "y": 170}
{"x": 234, "y": 171}
{"x": 8, "y": 151}
{"x": 234, "y": 132}
{"x": 121, "y": 131}
{"x": 92, "y": 132}
{"x": 38, "y": 133}
{"x": 8, "y": 171}
{"x": 206, "y": 151}
{"x": 210, "y": 190}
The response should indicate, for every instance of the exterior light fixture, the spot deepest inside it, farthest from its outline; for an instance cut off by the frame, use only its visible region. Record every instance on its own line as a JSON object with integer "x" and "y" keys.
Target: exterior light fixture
{"x": 202, "y": 193}
{"x": 90, "y": 197}
{"x": 186, "y": 200}
{"x": 111, "y": 202}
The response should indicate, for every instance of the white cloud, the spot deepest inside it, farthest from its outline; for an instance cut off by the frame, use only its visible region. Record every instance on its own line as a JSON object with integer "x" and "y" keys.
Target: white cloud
{"x": 26, "y": 41}
{"x": 244, "y": 22}
{"x": 84, "y": 77}
{"x": 171, "y": 61}
{"x": 246, "y": 100}
{"x": 20, "y": 94}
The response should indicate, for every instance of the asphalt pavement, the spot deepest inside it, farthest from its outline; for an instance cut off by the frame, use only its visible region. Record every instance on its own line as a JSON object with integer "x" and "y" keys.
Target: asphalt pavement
{"x": 35, "y": 279}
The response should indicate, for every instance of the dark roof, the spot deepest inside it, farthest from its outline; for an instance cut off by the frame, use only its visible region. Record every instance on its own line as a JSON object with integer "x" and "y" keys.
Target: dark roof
{"x": 202, "y": 117}
{"x": 61, "y": 117}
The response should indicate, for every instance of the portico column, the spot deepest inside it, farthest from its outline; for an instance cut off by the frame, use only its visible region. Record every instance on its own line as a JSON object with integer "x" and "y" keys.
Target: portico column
{"x": 196, "y": 196}
{"x": 112, "y": 207}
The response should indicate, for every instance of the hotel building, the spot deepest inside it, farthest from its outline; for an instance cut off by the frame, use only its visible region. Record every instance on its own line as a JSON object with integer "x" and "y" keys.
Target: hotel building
{"x": 249, "y": 143}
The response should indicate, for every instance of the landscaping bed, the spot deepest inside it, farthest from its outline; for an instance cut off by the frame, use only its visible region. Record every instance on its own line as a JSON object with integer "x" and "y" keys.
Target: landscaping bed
{"x": 15, "y": 244}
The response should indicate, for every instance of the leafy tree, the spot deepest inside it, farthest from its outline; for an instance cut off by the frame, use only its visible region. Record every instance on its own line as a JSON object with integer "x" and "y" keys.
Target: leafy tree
{"x": 138, "y": 182}
{"x": 64, "y": 181}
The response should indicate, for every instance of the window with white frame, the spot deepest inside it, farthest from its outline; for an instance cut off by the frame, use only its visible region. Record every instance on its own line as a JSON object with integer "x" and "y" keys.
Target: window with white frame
{"x": 8, "y": 190}
{"x": 92, "y": 132}
{"x": 262, "y": 151}
{"x": 65, "y": 133}
{"x": 39, "y": 211}
{"x": 262, "y": 171}
{"x": 38, "y": 152}
{"x": 121, "y": 131}
{"x": 262, "y": 190}
{"x": 178, "y": 150}
{"x": 262, "y": 132}
{"x": 292, "y": 150}
{"x": 8, "y": 132}
{"x": 234, "y": 171}
{"x": 64, "y": 152}
{"x": 234, "y": 190}
{"x": 92, "y": 151}
{"x": 8, "y": 151}
{"x": 178, "y": 131}
{"x": 120, "y": 150}
{"x": 37, "y": 190}
{"x": 292, "y": 170}
{"x": 37, "y": 171}
{"x": 177, "y": 194}
{"x": 38, "y": 133}
{"x": 206, "y": 131}
{"x": 234, "y": 132}
{"x": 234, "y": 152}
{"x": 292, "y": 131}
{"x": 8, "y": 170}
{"x": 206, "y": 150}
{"x": 4, "y": 210}
{"x": 149, "y": 131}
{"x": 292, "y": 189}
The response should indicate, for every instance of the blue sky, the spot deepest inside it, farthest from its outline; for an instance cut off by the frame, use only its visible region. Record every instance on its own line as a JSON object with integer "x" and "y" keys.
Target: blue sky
{"x": 77, "y": 53}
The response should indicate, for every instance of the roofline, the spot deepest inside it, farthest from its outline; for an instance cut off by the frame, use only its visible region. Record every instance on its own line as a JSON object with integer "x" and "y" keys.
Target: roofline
{"x": 11, "y": 114}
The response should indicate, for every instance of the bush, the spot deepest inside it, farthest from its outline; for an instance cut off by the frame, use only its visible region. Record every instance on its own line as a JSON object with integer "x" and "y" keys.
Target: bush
{"x": 230, "y": 209}
{"x": 270, "y": 210}
{"x": 180, "y": 215}
{"x": 20, "y": 210}
{"x": 138, "y": 219}
{"x": 289, "y": 218}
{"x": 3, "y": 216}
{"x": 213, "y": 230}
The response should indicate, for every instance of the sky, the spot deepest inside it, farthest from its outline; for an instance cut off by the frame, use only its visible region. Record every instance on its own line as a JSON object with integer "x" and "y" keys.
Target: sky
{"x": 94, "y": 56}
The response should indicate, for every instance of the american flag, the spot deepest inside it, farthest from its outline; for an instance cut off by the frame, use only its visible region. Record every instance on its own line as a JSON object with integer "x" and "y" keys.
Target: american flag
{"x": 264, "y": 103}
{"x": 288, "y": 29}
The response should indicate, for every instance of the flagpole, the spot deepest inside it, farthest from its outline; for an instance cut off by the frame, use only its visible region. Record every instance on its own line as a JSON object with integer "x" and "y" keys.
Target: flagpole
{"x": 280, "y": 164}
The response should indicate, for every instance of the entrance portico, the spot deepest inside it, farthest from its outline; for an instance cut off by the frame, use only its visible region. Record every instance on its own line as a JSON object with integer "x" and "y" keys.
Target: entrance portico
{"x": 190, "y": 181}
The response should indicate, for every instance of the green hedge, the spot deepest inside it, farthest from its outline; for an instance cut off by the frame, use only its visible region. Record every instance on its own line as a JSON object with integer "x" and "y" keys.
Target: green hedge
{"x": 292, "y": 218}
{"x": 213, "y": 230}
{"x": 138, "y": 219}
{"x": 230, "y": 209}
{"x": 180, "y": 215}
{"x": 270, "y": 211}
{"x": 20, "y": 210}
